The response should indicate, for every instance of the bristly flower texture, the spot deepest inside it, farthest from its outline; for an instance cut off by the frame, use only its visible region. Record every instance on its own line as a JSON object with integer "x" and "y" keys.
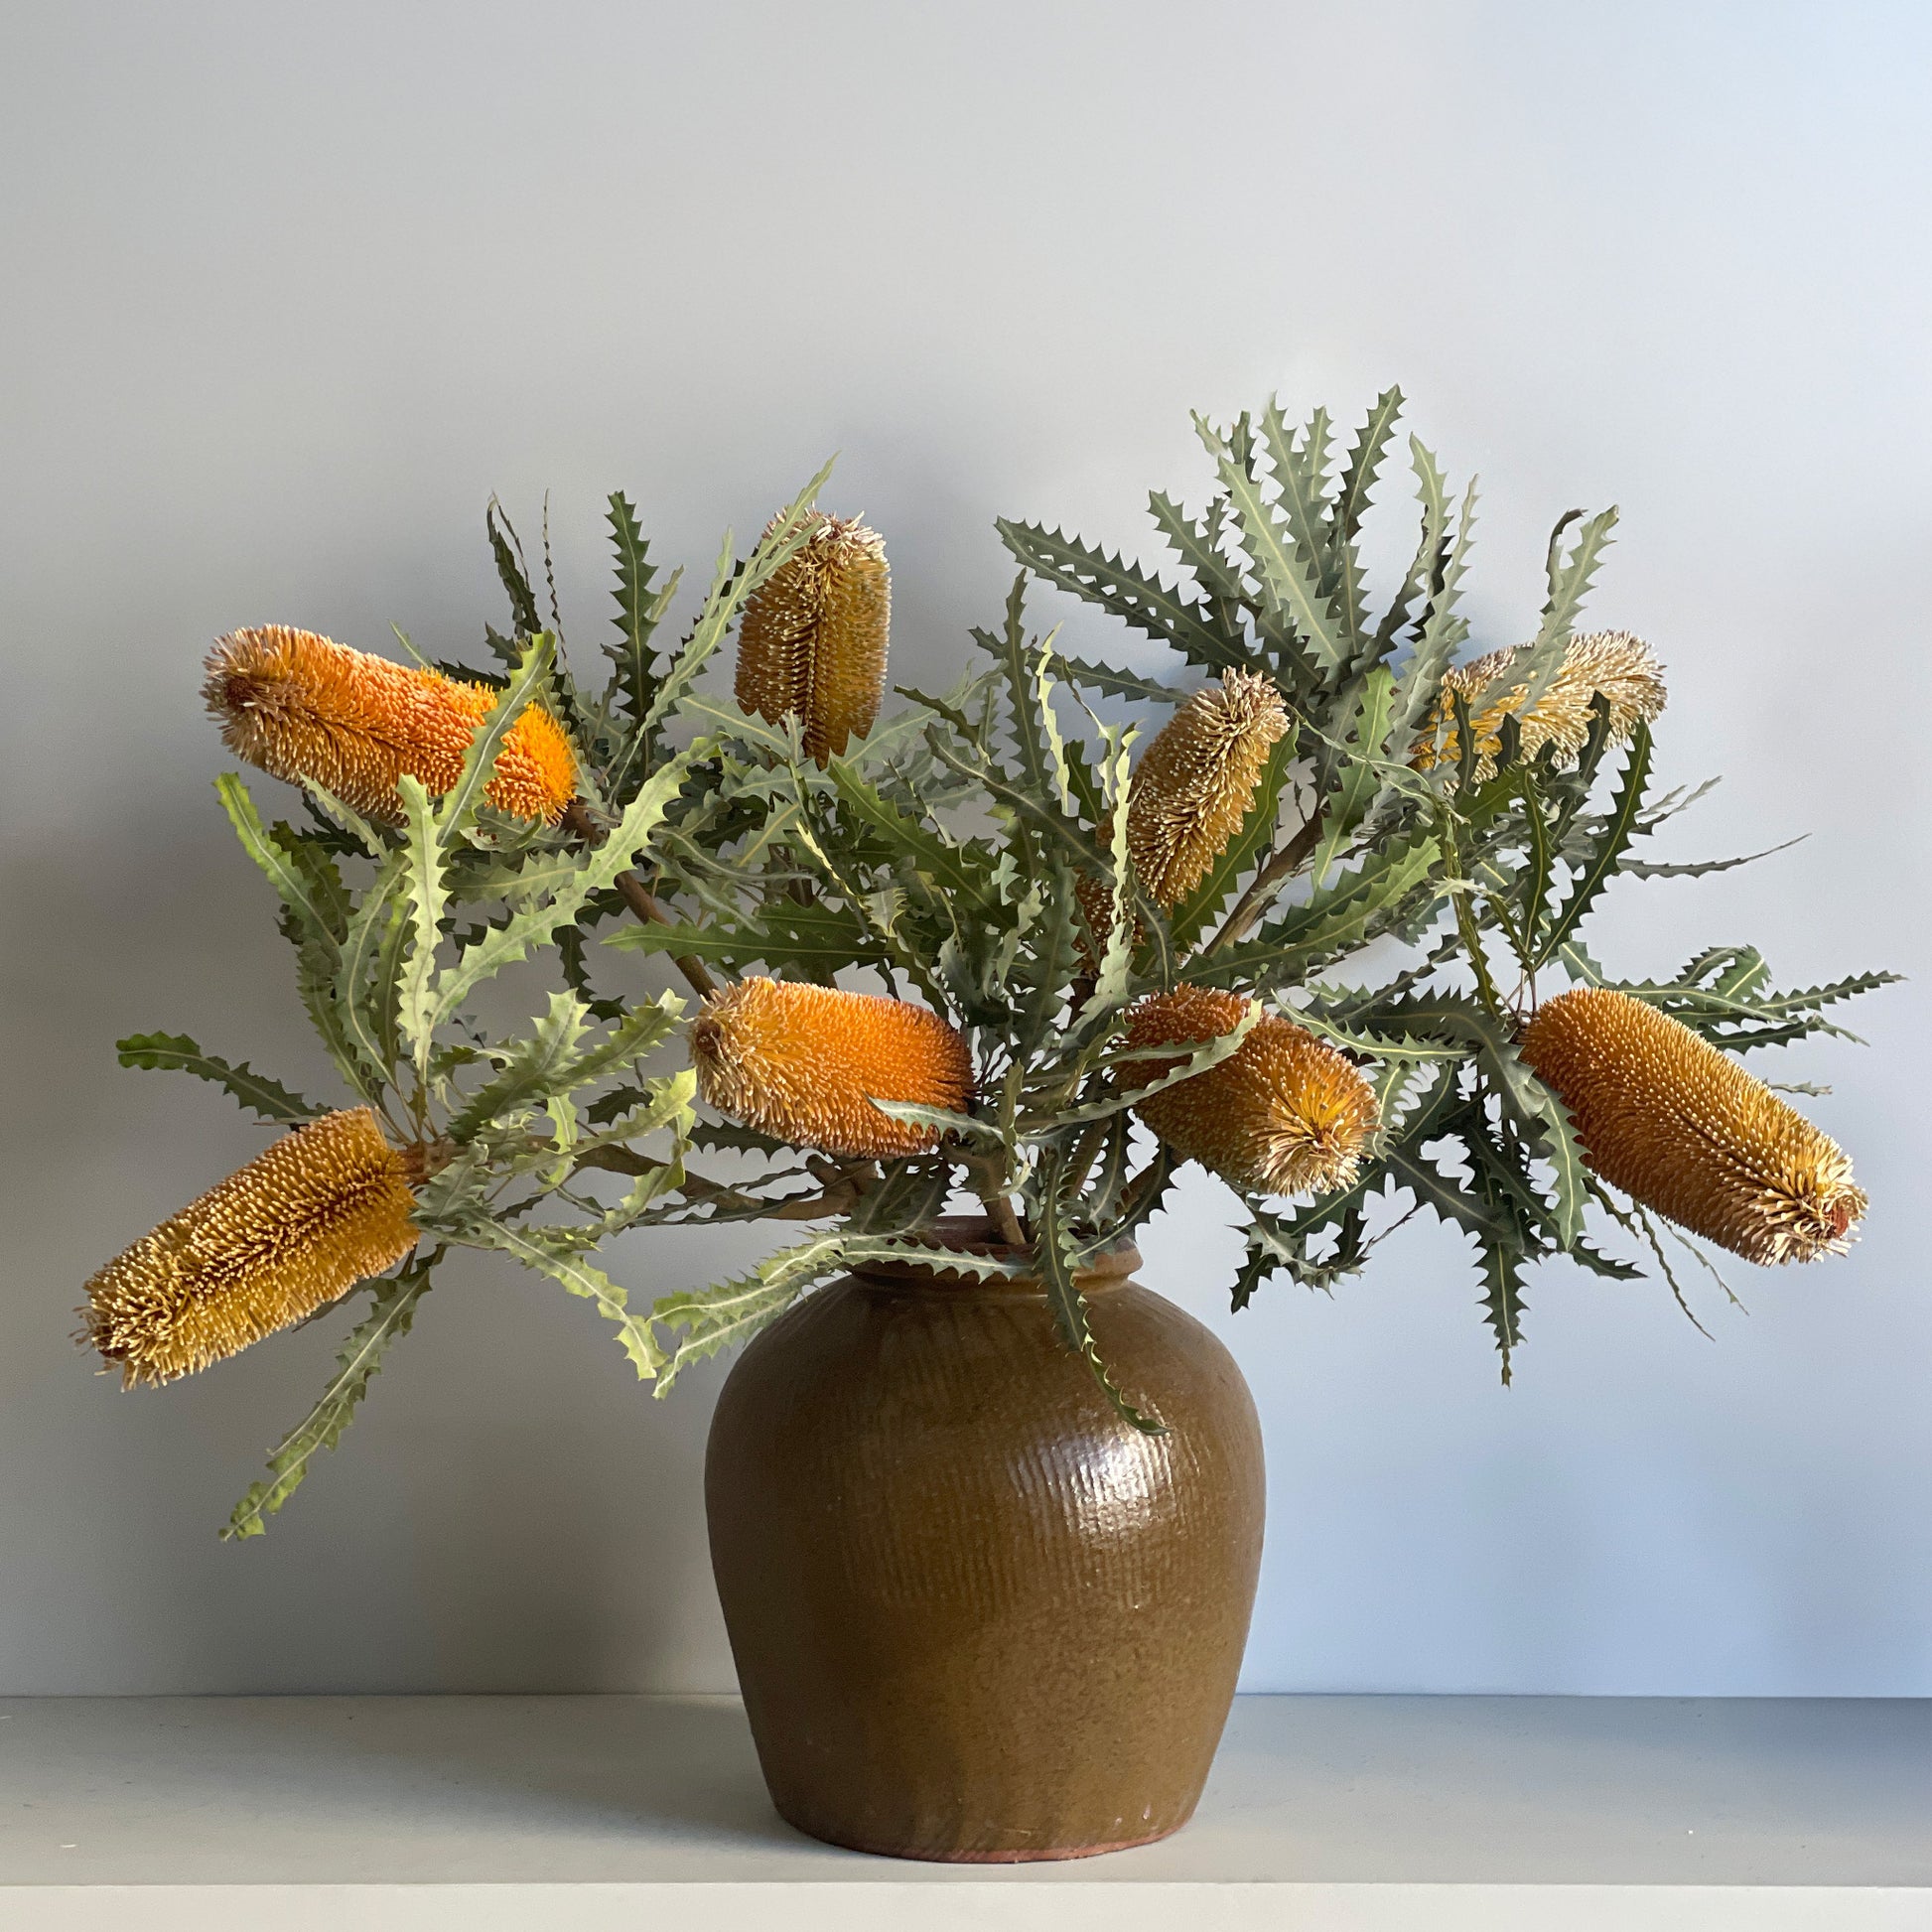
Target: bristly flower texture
{"x": 1197, "y": 782}
{"x": 324, "y": 1207}
{"x": 1613, "y": 663}
{"x": 814, "y": 637}
{"x": 1284, "y": 1114}
{"x": 804, "y": 1063}
{"x": 1682, "y": 1127}
{"x": 308, "y": 710}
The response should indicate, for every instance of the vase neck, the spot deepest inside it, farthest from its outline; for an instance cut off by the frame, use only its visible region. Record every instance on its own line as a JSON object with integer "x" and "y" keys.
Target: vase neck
{"x": 964, "y": 1235}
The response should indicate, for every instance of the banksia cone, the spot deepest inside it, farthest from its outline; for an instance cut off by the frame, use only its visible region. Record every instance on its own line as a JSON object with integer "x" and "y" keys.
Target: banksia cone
{"x": 1196, "y": 781}
{"x": 324, "y": 1207}
{"x": 814, "y": 636}
{"x": 1284, "y": 1114}
{"x": 1684, "y": 1128}
{"x": 804, "y": 1063}
{"x": 1614, "y": 664}
{"x": 306, "y": 709}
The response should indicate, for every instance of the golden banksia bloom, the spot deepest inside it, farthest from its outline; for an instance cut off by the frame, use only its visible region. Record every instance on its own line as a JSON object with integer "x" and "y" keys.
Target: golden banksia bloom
{"x": 1681, "y": 1127}
{"x": 814, "y": 636}
{"x": 1614, "y": 663}
{"x": 306, "y": 708}
{"x": 324, "y": 1207}
{"x": 1284, "y": 1114}
{"x": 804, "y": 1063}
{"x": 1197, "y": 782}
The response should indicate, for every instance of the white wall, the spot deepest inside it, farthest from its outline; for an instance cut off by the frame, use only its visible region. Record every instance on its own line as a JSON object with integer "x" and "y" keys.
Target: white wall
{"x": 290, "y": 290}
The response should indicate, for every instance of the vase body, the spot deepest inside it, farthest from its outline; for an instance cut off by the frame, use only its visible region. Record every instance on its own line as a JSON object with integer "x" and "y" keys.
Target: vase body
{"x": 975, "y": 1616}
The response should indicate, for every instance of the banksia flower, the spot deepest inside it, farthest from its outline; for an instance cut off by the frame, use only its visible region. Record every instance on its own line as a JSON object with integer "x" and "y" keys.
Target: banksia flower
{"x": 322, "y": 1209}
{"x": 814, "y": 636}
{"x": 1682, "y": 1127}
{"x": 1614, "y": 664}
{"x": 306, "y": 709}
{"x": 804, "y": 1063}
{"x": 1196, "y": 781}
{"x": 1284, "y": 1114}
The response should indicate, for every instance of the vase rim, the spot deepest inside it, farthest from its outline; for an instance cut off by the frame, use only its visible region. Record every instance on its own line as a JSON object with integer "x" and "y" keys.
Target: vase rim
{"x": 971, "y": 1234}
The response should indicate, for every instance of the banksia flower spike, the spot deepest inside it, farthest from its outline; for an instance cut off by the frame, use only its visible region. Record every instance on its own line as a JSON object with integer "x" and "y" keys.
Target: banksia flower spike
{"x": 804, "y": 1063}
{"x": 1284, "y": 1114}
{"x": 1613, "y": 663}
{"x": 814, "y": 636}
{"x": 1682, "y": 1127}
{"x": 324, "y": 1207}
{"x": 306, "y": 708}
{"x": 1197, "y": 782}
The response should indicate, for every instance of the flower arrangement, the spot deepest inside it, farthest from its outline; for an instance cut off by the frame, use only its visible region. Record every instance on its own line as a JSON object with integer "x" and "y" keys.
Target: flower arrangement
{"x": 987, "y": 944}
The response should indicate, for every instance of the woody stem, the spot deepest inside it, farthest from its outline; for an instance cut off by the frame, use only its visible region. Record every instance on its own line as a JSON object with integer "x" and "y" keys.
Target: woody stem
{"x": 638, "y": 896}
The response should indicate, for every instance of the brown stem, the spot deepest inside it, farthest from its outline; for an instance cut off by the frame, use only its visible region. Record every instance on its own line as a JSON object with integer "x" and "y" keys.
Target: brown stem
{"x": 1006, "y": 1224}
{"x": 1266, "y": 883}
{"x": 636, "y": 895}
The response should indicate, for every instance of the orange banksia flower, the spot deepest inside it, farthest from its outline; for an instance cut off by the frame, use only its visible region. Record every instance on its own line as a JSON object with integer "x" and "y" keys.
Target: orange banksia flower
{"x": 1611, "y": 662}
{"x": 1197, "y": 782}
{"x": 814, "y": 636}
{"x": 1681, "y": 1127}
{"x": 306, "y": 709}
{"x": 324, "y": 1207}
{"x": 1284, "y": 1114}
{"x": 804, "y": 1063}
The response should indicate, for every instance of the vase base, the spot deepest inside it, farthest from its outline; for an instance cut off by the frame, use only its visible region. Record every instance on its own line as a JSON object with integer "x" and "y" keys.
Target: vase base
{"x": 1003, "y": 1855}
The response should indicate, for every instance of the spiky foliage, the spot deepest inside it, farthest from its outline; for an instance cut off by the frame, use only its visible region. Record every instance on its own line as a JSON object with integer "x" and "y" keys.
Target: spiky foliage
{"x": 814, "y": 637}
{"x": 1608, "y": 664}
{"x": 1684, "y": 1128}
{"x": 313, "y": 712}
{"x": 1286, "y": 1114}
{"x": 984, "y": 858}
{"x": 324, "y": 1207}
{"x": 395, "y": 929}
{"x": 806, "y": 1064}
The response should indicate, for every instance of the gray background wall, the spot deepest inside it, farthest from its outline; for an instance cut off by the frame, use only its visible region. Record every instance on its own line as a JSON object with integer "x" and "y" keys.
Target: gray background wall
{"x": 291, "y": 290}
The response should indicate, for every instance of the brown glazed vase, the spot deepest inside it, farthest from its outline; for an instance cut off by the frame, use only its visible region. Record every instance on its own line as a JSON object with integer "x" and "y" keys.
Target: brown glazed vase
{"x": 975, "y": 1616}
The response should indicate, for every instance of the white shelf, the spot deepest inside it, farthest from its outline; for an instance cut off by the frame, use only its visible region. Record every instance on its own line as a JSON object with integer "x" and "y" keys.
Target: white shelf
{"x": 1345, "y": 1814}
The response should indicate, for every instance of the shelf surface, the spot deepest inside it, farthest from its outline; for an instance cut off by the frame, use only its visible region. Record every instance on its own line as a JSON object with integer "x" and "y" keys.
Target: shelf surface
{"x": 621, "y": 1798}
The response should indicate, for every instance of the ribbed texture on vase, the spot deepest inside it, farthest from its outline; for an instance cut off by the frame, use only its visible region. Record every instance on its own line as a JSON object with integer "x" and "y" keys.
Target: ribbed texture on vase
{"x": 975, "y": 1616}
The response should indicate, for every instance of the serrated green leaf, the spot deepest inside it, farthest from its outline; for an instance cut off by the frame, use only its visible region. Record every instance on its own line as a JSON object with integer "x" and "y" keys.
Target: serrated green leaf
{"x": 504, "y": 944}
{"x": 255, "y": 1091}
{"x": 427, "y": 900}
{"x": 1119, "y": 587}
{"x": 952, "y": 868}
{"x": 640, "y": 610}
{"x": 1362, "y": 781}
{"x": 1054, "y": 1252}
{"x": 1341, "y": 915}
{"x": 506, "y": 550}
{"x": 535, "y": 1070}
{"x": 1288, "y": 578}
{"x": 578, "y": 1277}
{"x": 457, "y": 811}
{"x": 297, "y": 887}
{"x": 392, "y": 1309}
{"x": 1602, "y": 865}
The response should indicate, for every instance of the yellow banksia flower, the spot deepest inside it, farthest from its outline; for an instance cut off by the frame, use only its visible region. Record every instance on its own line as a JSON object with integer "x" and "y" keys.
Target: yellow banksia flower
{"x": 1197, "y": 782}
{"x": 815, "y": 633}
{"x": 804, "y": 1064}
{"x": 1681, "y": 1127}
{"x": 1284, "y": 1114}
{"x": 324, "y": 1207}
{"x": 1614, "y": 663}
{"x": 306, "y": 708}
